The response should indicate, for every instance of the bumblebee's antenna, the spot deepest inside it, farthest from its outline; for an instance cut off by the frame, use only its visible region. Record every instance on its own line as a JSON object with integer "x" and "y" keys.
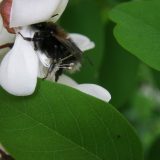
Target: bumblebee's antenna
{"x": 49, "y": 71}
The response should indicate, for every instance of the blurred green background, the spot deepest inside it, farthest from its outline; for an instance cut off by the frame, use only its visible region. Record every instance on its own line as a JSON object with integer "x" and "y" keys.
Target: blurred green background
{"x": 134, "y": 86}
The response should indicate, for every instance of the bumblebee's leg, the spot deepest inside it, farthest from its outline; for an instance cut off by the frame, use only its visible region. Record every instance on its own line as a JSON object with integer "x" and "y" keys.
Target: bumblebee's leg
{"x": 58, "y": 73}
{"x": 26, "y": 38}
{"x": 7, "y": 45}
{"x": 35, "y": 46}
{"x": 36, "y": 37}
{"x": 49, "y": 70}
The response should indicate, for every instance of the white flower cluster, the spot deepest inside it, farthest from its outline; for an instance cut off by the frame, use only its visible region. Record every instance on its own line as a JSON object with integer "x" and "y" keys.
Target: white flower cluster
{"x": 21, "y": 65}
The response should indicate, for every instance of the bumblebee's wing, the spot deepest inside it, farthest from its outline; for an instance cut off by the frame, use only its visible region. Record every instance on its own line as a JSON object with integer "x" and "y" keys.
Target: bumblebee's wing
{"x": 70, "y": 46}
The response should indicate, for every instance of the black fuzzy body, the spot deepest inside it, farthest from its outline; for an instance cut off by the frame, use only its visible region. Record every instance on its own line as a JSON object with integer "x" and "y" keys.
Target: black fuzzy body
{"x": 54, "y": 42}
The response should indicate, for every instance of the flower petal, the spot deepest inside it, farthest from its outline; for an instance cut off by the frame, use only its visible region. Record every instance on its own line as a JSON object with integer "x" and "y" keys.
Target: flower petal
{"x": 5, "y": 36}
{"x": 83, "y": 42}
{"x": 26, "y": 12}
{"x": 95, "y": 90}
{"x": 19, "y": 68}
{"x": 66, "y": 80}
{"x": 42, "y": 72}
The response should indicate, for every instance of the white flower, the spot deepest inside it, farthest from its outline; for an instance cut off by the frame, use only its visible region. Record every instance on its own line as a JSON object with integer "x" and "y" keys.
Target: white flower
{"x": 27, "y": 12}
{"x": 22, "y": 65}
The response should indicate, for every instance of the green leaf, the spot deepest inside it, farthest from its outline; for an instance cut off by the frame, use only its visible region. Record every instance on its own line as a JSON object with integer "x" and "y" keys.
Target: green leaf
{"x": 61, "y": 123}
{"x": 119, "y": 69}
{"x": 84, "y": 17}
{"x": 153, "y": 153}
{"x": 138, "y": 29}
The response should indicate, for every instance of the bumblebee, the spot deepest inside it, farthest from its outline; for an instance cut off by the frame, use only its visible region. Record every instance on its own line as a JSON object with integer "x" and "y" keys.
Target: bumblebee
{"x": 54, "y": 42}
